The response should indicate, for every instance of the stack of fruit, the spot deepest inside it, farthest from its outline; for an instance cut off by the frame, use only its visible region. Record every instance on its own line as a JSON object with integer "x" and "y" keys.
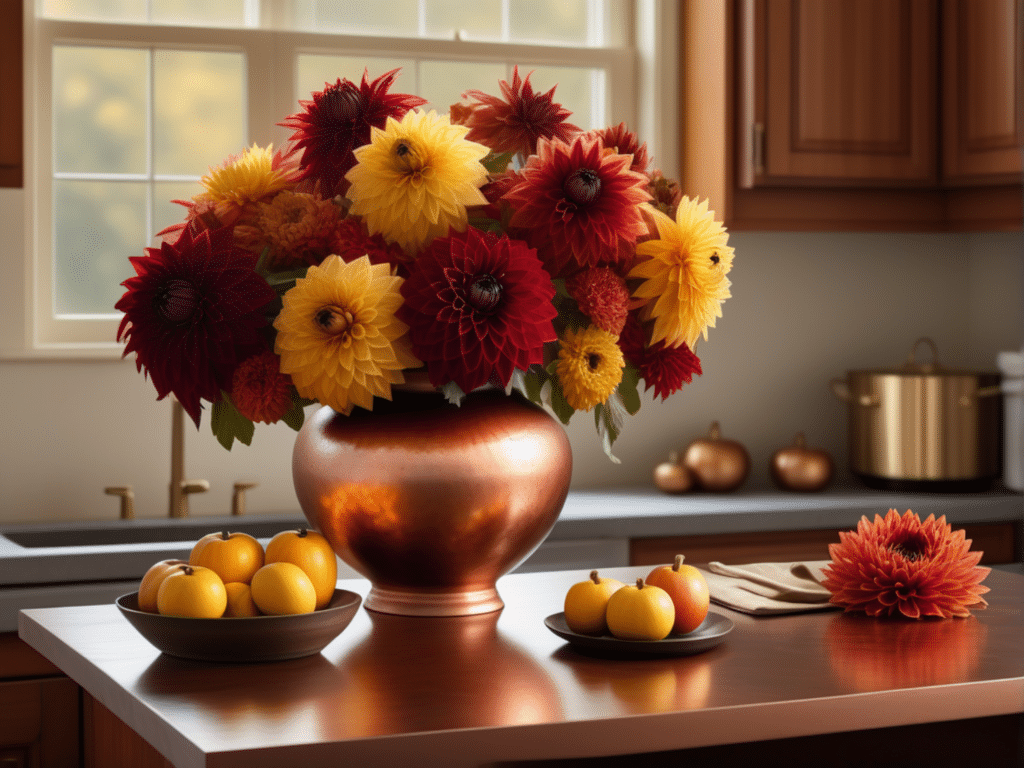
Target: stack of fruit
{"x": 673, "y": 600}
{"x": 230, "y": 574}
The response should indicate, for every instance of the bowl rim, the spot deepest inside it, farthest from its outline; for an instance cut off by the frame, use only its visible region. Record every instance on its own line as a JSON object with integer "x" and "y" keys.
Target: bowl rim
{"x": 341, "y": 600}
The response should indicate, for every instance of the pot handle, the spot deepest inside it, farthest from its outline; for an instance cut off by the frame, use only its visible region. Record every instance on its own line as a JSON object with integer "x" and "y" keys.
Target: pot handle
{"x": 966, "y": 401}
{"x": 842, "y": 390}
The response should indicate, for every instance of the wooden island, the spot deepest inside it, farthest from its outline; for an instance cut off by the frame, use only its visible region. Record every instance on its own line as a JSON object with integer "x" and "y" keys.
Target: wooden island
{"x": 822, "y": 688}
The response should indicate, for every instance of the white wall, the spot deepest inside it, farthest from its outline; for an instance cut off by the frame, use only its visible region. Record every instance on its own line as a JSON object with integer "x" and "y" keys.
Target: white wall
{"x": 805, "y": 308}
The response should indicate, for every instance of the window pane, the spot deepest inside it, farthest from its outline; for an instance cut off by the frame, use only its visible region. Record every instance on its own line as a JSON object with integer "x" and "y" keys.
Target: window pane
{"x": 443, "y": 83}
{"x": 315, "y": 71}
{"x": 99, "y": 109}
{"x": 108, "y": 10}
{"x": 543, "y": 21}
{"x": 98, "y": 226}
{"x": 200, "y": 13}
{"x": 166, "y": 212}
{"x": 575, "y": 91}
{"x": 199, "y": 110}
{"x": 481, "y": 19}
{"x": 395, "y": 18}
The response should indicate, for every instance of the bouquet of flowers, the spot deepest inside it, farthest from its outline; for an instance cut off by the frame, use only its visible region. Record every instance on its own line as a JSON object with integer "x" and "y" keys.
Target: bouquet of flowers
{"x": 497, "y": 245}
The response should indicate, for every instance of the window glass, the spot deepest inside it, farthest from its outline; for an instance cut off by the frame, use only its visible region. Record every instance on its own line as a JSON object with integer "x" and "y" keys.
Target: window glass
{"x": 442, "y": 83}
{"x": 198, "y": 110}
{"x": 97, "y": 225}
{"x": 105, "y": 10}
{"x": 395, "y": 18}
{"x": 314, "y": 71}
{"x": 480, "y": 20}
{"x": 99, "y": 110}
{"x": 165, "y": 211}
{"x": 578, "y": 89}
{"x": 541, "y": 21}
{"x": 198, "y": 13}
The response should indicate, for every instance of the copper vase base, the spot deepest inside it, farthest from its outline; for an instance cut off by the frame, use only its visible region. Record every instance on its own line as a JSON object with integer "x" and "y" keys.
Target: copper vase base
{"x": 417, "y": 603}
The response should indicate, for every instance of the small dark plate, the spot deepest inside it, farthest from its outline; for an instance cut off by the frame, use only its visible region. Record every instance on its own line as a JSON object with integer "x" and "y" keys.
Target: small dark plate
{"x": 250, "y": 639}
{"x": 709, "y": 634}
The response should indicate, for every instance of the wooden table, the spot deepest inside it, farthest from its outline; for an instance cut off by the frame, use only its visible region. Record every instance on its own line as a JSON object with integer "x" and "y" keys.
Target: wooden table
{"x": 501, "y": 688}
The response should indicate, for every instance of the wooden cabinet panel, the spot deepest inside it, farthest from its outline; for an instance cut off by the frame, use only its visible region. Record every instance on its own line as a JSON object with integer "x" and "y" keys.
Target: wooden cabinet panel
{"x": 109, "y": 743}
{"x": 843, "y": 93}
{"x": 39, "y": 722}
{"x": 11, "y": 94}
{"x": 982, "y": 103}
{"x": 996, "y": 540}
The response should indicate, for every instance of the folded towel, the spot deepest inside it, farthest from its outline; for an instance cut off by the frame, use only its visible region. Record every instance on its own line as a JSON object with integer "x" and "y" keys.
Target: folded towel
{"x": 764, "y": 589}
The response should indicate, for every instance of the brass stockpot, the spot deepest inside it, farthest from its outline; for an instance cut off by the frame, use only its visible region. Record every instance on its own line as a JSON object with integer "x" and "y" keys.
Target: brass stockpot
{"x": 923, "y": 427}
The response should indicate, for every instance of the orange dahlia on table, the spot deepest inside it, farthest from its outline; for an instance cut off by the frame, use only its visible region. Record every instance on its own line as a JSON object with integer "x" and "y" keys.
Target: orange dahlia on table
{"x": 492, "y": 244}
{"x": 900, "y": 566}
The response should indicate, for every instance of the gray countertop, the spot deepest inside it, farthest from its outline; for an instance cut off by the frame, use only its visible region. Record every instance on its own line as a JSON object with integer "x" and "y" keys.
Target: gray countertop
{"x": 79, "y": 574}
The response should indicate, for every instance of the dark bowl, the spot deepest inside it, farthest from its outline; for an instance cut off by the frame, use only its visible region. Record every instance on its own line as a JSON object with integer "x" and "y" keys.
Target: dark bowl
{"x": 250, "y": 639}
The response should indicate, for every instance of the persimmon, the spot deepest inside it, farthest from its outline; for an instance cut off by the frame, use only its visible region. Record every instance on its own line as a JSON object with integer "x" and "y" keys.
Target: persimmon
{"x": 689, "y": 592}
{"x": 192, "y": 591}
{"x": 643, "y": 612}
{"x": 234, "y": 556}
{"x": 313, "y": 554}
{"x": 151, "y": 581}
{"x": 586, "y": 603}
{"x": 282, "y": 589}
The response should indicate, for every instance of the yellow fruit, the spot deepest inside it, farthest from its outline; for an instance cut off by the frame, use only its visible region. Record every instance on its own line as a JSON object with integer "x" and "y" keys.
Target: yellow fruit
{"x": 192, "y": 591}
{"x": 152, "y": 580}
{"x": 688, "y": 590}
{"x": 240, "y": 600}
{"x": 585, "y": 604}
{"x": 643, "y": 612}
{"x": 313, "y": 554}
{"x": 234, "y": 556}
{"x": 283, "y": 588}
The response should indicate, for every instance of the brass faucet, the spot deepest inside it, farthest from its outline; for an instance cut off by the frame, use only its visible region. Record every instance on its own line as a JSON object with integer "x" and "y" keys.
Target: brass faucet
{"x": 127, "y": 499}
{"x": 180, "y": 487}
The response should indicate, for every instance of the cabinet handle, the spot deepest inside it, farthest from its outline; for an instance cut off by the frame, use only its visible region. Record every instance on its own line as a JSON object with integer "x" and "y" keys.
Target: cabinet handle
{"x": 757, "y": 148}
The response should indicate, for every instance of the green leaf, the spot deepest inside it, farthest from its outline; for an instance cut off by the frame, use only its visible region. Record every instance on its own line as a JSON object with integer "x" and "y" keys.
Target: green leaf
{"x": 559, "y": 405}
{"x": 295, "y": 416}
{"x": 607, "y": 428}
{"x": 228, "y": 424}
{"x": 534, "y": 381}
{"x": 627, "y": 389}
{"x": 497, "y": 163}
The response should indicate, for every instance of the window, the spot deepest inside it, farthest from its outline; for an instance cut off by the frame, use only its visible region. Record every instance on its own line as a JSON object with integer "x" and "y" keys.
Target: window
{"x": 131, "y": 102}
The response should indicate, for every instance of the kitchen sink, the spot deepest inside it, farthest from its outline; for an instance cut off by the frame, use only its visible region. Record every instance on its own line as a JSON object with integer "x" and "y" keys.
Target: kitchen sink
{"x": 105, "y": 533}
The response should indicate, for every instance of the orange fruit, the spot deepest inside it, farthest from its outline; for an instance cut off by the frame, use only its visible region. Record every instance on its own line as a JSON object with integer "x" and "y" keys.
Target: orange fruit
{"x": 283, "y": 588}
{"x": 240, "y": 600}
{"x": 234, "y": 556}
{"x": 586, "y": 603}
{"x": 192, "y": 591}
{"x": 642, "y": 612}
{"x": 313, "y": 554}
{"x": 152, "y": 580}
{"x": 688, "y": 590}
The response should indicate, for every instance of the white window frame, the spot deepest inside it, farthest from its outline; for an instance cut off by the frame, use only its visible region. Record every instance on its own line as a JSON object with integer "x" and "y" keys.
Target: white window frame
{"x": 640, "y": 90}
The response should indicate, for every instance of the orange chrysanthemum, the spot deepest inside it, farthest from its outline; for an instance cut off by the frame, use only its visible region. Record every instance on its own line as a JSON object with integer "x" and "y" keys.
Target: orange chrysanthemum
{"x": 297, "y": 228}
{"x": 259, "y": 390}
{"x": 899, "y": 565}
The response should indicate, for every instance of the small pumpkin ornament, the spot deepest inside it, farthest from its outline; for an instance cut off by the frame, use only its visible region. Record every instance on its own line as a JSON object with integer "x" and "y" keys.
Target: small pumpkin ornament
{"x": 800, "y": 468}
{"x": 672, "y": 477}
{"x": 718, "y": 464}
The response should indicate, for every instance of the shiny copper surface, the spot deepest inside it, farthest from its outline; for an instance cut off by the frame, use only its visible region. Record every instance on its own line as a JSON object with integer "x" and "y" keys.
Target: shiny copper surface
{"x": 430, "y": 501}
{"x": 719, "y": 464}
{"x": 799, "y": 467}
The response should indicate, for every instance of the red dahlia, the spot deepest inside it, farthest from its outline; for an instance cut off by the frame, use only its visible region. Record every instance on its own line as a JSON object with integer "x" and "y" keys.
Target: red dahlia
{"x": 337, "y": 120}
{"x": 515, "y": 123}
{"x": 602, "y": 296}
{"x": 192, "y": 313}
{"x": 580, "y": 204}
{"x": 625, "y": 142}
{"x": 899, "y": 565}
{"x": 259, "y": 390}
{"x": 351, "y": 240}
{"x": 664, "y": 368}
{"x": 477, "y": 306}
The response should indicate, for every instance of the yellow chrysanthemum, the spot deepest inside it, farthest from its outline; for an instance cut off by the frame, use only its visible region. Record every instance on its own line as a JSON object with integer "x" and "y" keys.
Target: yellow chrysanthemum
{"x": 415, "y": 178}
{"x": 338, "y": 337}
{"x": 589, "y": 366}
{"x": 254, "y": 175}
{"x": 685, "y": 274}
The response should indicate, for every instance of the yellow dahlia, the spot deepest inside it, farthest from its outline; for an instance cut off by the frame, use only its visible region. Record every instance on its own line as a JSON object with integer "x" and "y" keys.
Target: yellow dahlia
{"x": 338, "y": 336}
{"x": 684, "y": 273}
{"x": 414, "y": 179}
{"x": 589, "y": 367}
{"x": 256, "y": 174}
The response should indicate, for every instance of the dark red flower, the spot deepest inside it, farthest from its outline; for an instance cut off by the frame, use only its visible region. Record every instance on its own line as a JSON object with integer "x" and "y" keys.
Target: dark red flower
{"x": 259, "y": 390}
{"x": 337, "y": 120}
{"x": 579, "y": 205}
{"x": 602, "y": 296}
{"x": 625, "y": 142}
{"x": 477, "y": 306}
{"x": 515, "y": 123}
{"x": 192, "y": 313}
{"x": 664, "y": 368}
{"x": 351, "y": 240}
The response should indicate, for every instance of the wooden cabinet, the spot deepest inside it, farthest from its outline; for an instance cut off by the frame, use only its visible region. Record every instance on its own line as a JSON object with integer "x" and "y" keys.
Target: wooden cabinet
{"x": 11, "y": 164}
{"x": 868, "y": 115}
{"x": 39, "y": 710}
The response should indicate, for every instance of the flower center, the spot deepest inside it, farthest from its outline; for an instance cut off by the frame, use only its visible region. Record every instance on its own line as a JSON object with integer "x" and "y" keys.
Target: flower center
{"x": 583, "y": 187}
{"x": 344, "y": 104}
{"x": 335, "y": 321}
{"x": 913, "y": 547}
{"x": 409, "y": 161}
{"x": 177, "y": 301}
{"x": 485, "y": 293}
{"x": 594, "y": 361}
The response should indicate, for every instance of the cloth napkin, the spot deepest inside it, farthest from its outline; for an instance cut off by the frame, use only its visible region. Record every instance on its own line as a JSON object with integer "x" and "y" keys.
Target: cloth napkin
{"x": 765, "y": 589}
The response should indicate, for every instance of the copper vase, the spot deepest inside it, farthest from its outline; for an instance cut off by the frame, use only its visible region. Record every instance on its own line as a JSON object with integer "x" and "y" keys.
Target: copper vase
{"x": 430, "y": 501}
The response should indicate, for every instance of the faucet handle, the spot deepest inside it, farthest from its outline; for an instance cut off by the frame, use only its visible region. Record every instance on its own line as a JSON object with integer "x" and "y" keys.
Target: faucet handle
{"x": 238, "y": 497}
{"x": 189, "y": 487}
{"x": 127, "y": 499}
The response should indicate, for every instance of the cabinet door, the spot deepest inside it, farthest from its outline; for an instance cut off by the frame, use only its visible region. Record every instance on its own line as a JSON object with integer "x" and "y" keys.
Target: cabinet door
{"x": 842, "y": 93}
{"x": 39, "y": 723}
{"x": 10, "y": 94}
{"x": 982, "y": 103}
